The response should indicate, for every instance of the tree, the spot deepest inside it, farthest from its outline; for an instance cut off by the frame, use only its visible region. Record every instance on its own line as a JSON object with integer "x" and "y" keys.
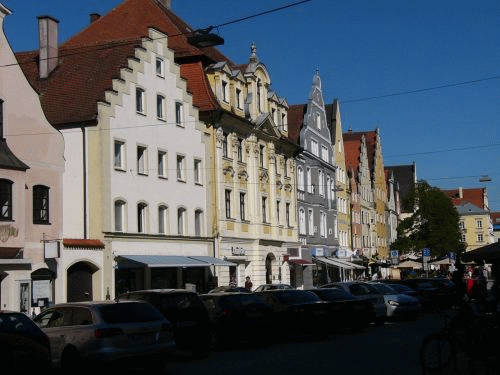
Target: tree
{"x": 433, "y": 225}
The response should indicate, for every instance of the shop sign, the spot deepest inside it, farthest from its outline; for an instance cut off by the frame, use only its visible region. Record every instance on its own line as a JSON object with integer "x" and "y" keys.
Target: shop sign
{"x": 7, "y": 231}
{"x": 237, "y": 251}
{"x": 318, "y": 252}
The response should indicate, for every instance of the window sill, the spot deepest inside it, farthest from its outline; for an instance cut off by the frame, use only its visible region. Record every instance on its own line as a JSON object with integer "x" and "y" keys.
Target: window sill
{"x": 163, "y": 177}
{"x": 140, "y": 113}
{"x": 160, "y": 75}
{"x": 180, "y": 125}
{"x": 7, "y": 220}
{"x": 142, "y": 174}
{"x": 162, "y": 119}
{"x": 41, "y": 223}
{"x": 198, "y": 183}
{"x": 120, "y": 169}
{"x": 181, "y": 180}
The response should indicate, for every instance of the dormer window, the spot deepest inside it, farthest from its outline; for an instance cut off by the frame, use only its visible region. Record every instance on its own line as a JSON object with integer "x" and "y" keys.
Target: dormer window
{"x": 225, "y": 92}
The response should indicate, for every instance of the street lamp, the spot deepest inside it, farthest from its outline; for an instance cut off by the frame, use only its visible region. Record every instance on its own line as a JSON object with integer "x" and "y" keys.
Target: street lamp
{"x": 485, "y": 178}
{"x": 203, "y": 38}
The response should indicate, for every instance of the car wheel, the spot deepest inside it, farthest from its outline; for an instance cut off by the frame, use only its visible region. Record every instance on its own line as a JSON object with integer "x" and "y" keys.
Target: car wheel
{"x": 71, "y": 360}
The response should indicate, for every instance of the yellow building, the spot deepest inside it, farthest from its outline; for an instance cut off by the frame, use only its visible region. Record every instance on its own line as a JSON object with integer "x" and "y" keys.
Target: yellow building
{"x": 475, "y": 225}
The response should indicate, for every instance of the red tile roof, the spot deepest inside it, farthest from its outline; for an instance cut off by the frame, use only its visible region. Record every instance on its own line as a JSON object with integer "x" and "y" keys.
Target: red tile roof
{"x": 495, "y": 217}
{"x": 132, "y": 18}
{"x": 370, "y": 139}
{"x": 472, "y": 195}
{"x": 71, "y": 93}
{"x": 352, "y": 152}
{"x": 199, "y": 87}
{"x": 76, "y": 242}
{"x": 296, "y": 114}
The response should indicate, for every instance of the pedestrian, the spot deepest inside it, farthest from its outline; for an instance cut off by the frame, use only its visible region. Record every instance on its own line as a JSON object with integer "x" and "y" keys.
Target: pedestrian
{"x": 248, "y": 284}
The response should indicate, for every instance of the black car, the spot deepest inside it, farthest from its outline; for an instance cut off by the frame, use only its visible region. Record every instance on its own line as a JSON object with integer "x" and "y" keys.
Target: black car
{"x": 24, "y": 347}
{"x": 299, "y": 312}
{"x": 432, "y": 296}
{"x": 403, "y": 289}
{"x": 239, "y": 317}
{"x": 346, "y": 311}
{"x": 229, "y": 289}
{"x": 187, "y": 313}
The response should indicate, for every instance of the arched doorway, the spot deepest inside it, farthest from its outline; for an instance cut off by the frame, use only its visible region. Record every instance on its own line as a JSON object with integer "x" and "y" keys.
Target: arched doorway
{"x": 79, "y": 282}
{"x": 270, "y": 260}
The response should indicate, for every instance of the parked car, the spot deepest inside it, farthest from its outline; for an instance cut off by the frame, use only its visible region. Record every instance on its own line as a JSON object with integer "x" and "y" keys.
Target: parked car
{"x": 431, "y": 294}
{"x": 402, "y": 289}
{"x": 261, "y": 288}
{"x": 364, "y": 291}
{"x": 238, "y": 317}
{"x": 187, "y": 313}
{"x": 23, "y": 345}
{"x": 298, "y": 312}
{"x": 346, "y": 311}
{"x": 397, "y": 304}
{"x": 229, "y": 289}
{"x": 106, "y": 332}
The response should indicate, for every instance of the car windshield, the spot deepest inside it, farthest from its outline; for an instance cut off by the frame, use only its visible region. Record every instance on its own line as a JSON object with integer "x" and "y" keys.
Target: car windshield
{"x": 384, "y": 289}
{"x": 129, "y": 313}
{"x": 334, "y": 294}
{"x": 295, "y": 296}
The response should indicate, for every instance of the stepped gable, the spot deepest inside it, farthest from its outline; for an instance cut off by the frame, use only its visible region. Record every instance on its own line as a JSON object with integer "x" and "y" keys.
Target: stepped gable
{"x": 352, "y": 152}
{"x": 370, "y": 139}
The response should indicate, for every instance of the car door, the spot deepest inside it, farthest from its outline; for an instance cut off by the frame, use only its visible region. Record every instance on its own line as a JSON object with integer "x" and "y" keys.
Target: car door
{"x": 54, "y": 323}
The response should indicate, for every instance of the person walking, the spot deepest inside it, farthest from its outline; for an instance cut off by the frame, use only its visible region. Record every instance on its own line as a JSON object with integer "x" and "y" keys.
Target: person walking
{"x": 248, "y": 284}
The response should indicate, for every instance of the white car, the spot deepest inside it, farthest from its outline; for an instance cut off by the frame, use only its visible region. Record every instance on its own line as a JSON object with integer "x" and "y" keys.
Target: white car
{"x": 107, "y": 332}
{"x": 398, "y": 304}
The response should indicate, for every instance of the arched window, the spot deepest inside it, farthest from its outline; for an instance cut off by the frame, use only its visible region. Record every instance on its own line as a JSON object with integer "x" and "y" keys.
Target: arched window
{"x": 40, "y": 204}
{"x": 119, "y": 216}
{"x": 198, "y": 223}
{"x": 181, "y": 221}
{"x": 141, "y": 217}
{"x": 162, "y": 219}
{"x": 5, "y": 200}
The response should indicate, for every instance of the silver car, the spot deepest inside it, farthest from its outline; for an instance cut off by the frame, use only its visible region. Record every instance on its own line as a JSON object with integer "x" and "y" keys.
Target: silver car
{"x": 86, "y": 332}
{"x": 398, "y": 304}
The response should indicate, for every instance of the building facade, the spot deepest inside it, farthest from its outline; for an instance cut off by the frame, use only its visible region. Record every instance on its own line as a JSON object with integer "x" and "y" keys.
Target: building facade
{"x": 31, "y": 169}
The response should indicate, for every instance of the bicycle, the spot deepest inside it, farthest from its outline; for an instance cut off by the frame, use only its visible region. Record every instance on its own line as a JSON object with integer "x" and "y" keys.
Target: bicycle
{"x": 469, "y": 333}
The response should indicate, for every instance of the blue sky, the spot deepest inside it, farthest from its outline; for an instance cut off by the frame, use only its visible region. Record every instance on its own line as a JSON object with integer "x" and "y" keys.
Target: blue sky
{"x": 361, "y": 49}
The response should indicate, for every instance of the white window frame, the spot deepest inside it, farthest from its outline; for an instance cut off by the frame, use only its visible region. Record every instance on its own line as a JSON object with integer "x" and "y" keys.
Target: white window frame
{"x": 310, "y": 214}
{"x": 179, "y": 114}
{"x": 142, "y": 160}
{"x": 198, "y": 171}
{"x": 160, "y": 67}
{"x": 140, "y": 100}
{"x": 162, "y": 219}
{"x": 119, "y": 215}
{"x": 181, "y": 221}
{"x": 198, "y": 223}
{"x": 162, "y": 164}
{"x": 119, "y": 160}
{"x": 324, "y": 154}
{"x": 302, "y": 221}
{"x": 160, "y": 107}
{"x": 300, "y": 178}
{"x": 314, "y": 147}
{"x": 479, "y": 224}
{"x": 180, "y": 165}
{"x": 142, "y": 214}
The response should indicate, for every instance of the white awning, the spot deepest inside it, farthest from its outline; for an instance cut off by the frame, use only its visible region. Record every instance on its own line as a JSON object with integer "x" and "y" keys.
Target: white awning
{"x": 160, "y": 261}
{"x": 333, "y": 262}
{"x": 350, "y": 264}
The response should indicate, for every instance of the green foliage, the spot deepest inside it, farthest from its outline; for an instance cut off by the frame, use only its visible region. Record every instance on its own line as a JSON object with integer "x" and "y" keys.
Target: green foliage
{"x": 433, "y": 225}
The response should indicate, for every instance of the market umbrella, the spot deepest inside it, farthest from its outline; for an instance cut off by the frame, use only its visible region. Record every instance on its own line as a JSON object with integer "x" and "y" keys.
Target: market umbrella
{"x": 488, "y": 253}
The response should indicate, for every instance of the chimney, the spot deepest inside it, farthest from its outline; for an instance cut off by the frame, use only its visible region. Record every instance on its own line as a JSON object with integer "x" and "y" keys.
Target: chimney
{"x": 94, "y": 17}
{"x": 166, "y": 3}
{"x": 460, "y": 193}
{"x": 48, "y": 37}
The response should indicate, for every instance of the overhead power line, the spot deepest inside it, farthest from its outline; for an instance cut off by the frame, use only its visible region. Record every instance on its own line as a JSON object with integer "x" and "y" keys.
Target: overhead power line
{"x": 446, "y": 150}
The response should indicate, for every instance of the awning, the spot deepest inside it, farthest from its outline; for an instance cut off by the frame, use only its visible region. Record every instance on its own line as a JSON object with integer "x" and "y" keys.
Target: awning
{"x": 487, "y": 253}
{"x": 410, "y": 264}
{"x": 157, "y": 261}
{"x": 335, "y": 263}
{"x": 301, "y": 262}
{"x": 350, "y": 264}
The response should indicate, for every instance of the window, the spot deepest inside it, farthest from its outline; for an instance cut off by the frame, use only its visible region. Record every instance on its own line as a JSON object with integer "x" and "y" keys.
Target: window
{"x": 239, "y": 146}
{"x": 40, "y": 204}
{"x": 261, "y": 156}
{"x": 160, "y": 67}
{"x": 160, "y": 107}
{"x": 181, "y": 221}
{"x": 181, "y": 172}
{"x": 287, "y": 214}
{"x": 302, "y": 221}
{"x": 179, "y": 115}
{"x": 310, "y": 188}
{"x": 198, "y": 219}
{"x": 273, "y": 115}
{"x": 461, "y": 225}
{"x": 324, "y": 153}
{"x": 225, "y": 91}
{"x": 141, "y": 217}
{"x": 119, "y": 216}
{"x": 321, "y": 183}
{"x": 300, "y": 178}
{"x": 323, "y": 224}
{"x": 278, "y": 211}
{"x": 141, "y": 160}
{"x": 479, "y": 237}
{"x": 228, "y": 203}
{"x": 139, "y": 100}
{"x": 162, "y": 220}
{"x": 314, "y": 147}
{"x": 162, "y": 164}
{"x": 264, "y": 209}
{"x": 479, "y": 224}
{"x": 197, "y": 172}
{"x": 284, "y": 122}
{"x": 242, "y": 206}
{"x": 119, "y": 157}
{"x": 311, "y": 222}
{"x": 259, "y": 95}
{"x": 224, "y": 145}
{"x": 318, "y": 120}
{"x": 238, "y": 98}
{"x": 285, "y": 168}
{"x": 5, "y": 200}
{"x": 463, "y": 238}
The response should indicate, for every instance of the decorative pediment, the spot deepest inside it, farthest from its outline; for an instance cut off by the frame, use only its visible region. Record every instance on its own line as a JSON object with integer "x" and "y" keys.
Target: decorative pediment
{"x": 264, "y": 176}
{"x": 243, "y": 175}
{"x": 265, "y": 124}
{"x": 279, "y": 185}
{"x": 288, "y": 187}
{"x": 229, "y": 170}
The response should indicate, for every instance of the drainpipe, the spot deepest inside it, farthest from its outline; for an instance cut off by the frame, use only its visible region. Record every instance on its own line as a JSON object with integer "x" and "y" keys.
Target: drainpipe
{"x": 84, "y": 146}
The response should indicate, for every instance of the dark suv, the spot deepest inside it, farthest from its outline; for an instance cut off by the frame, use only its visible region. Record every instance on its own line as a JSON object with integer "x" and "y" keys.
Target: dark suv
{"x": 187, "y": 313}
